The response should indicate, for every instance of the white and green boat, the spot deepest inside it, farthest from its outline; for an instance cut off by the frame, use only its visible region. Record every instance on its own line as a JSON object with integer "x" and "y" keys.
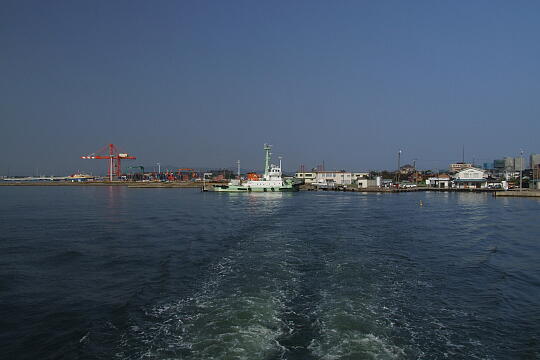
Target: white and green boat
{"x": 271, "y": 181}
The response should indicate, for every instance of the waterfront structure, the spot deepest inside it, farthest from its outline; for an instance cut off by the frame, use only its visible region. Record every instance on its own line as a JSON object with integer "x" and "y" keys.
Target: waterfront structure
{"x": 495, "y": 184}
{"x": 306, "y": 177}
{"x": 114, "y": 157}
{"x": 471, "y": 178}
{"x": 368, "y": 183}
{"x": 441, "y": 181}
{"x": 456, "y": 167}
{"x": 78, "y": 177}
{"x": 342, "y": 177}
{"x": 330, "y": 178}
{"x": 271, "y": 181}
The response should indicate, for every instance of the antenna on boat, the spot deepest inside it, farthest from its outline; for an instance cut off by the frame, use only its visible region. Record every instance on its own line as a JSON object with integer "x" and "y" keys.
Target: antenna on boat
{"x": 267, "y": 149}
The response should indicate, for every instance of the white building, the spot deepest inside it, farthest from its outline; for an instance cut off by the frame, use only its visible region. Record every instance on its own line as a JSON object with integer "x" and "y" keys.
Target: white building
{"x": 308, "y": 177}
{"x": 331, "y": 178}
{"x": 441, "y": 181}
{"x": 368, "y": 183}
{"x": 472, "y": 178}
{"x": 339, "y": 177}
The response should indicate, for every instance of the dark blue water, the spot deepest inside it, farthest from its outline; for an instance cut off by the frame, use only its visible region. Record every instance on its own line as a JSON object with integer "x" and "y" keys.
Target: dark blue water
{"x": 117, "y": 273}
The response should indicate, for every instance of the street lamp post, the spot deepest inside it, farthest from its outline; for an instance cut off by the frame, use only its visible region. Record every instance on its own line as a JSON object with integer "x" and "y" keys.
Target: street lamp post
{"x": 521, "y": 171}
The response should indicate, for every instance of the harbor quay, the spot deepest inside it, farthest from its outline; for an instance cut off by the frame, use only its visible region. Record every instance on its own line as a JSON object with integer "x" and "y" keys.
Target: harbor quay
{"x": 186, "y": 184}
{"x": 191, "y": 185}
{"x": 462, "y": 176}
{"x": 525, "y": 193}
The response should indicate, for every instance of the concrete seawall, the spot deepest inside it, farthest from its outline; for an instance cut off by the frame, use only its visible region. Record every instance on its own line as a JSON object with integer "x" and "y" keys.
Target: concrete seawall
{"x": 517, "y": 193}
{"x": 393, "y": 190}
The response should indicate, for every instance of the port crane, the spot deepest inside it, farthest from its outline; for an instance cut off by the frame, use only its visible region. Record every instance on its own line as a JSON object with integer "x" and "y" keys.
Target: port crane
{"x": 110, "y": 152}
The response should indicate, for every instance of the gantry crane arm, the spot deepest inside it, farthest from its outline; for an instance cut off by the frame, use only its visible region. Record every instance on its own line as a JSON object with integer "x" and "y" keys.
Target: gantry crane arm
{"x": 111, "y": 153}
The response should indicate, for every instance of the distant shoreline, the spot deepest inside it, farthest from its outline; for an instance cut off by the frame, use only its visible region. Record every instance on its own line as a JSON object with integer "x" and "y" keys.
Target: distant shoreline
{"x": 192, "y": 185}
{"x": 103, "y": 183}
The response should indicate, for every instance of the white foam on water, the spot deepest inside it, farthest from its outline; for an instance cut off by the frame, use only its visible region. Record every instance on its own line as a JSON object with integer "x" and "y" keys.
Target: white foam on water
{"x": 236, "y": 313}
{"x": 351, "y": 328}
{"x": 355, "y": 345}
{"x": 206, "y": 327}
{"x": 353, "y": 323}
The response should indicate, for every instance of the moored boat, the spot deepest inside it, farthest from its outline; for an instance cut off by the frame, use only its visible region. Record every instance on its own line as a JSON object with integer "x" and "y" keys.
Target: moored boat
{"x": 271, "y": 181}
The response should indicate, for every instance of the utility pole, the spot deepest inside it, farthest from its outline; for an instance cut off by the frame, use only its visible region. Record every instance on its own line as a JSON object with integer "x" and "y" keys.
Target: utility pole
{"x": 414, "y": 167}
{"x": 398, "y": 166}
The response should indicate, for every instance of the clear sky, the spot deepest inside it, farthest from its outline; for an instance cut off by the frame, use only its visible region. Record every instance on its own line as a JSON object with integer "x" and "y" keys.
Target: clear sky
{"x": 204, "y": 83}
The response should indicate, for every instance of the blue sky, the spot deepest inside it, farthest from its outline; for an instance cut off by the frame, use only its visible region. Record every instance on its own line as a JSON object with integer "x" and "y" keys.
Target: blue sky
{"x": 204, "y": 83}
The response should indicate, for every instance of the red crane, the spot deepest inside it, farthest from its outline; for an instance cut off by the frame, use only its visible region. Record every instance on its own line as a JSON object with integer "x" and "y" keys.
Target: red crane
{"x": 111, "y": 153}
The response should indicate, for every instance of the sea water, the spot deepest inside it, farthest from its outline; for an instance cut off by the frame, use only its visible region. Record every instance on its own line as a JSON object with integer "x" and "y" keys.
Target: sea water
{"x": 118, "y": 273}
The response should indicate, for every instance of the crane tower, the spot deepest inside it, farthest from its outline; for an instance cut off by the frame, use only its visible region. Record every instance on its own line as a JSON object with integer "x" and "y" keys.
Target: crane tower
{"x": 114, "y": 157}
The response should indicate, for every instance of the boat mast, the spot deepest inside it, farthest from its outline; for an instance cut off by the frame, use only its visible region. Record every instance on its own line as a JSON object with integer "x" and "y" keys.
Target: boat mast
{"x": 267, "y": 149}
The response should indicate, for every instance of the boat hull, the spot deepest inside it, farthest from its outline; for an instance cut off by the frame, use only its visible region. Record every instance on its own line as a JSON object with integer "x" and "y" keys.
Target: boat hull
{"x": 239, "y": 188}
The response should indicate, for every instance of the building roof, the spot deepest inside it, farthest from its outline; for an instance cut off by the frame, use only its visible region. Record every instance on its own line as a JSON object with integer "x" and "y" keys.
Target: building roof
{"x": 470, "y": 180}
{"x": 339, "y": 171}
{"x": 443, "y": 176}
